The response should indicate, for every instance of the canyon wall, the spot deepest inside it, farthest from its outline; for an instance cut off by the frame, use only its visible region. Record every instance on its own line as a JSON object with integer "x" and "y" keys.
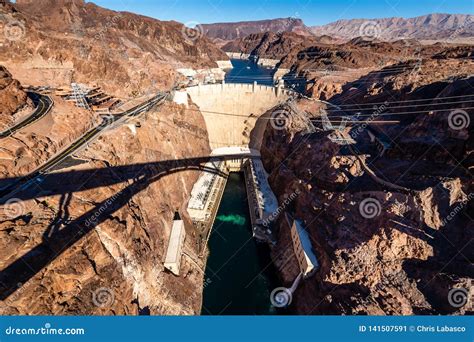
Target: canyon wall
{"x": 381, "y": 251}
{"x": 58, "y": 42}
{"x": 90, "y": 237}
{"x": 111, "y": 262}
{"x": 12, "y": 98}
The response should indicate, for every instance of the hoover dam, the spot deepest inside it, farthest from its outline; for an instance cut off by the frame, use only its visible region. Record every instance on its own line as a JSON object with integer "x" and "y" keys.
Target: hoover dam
{"x": 152, "y": 167}
{"x": 236, "y": 116}
{"x": 232, "y": 110}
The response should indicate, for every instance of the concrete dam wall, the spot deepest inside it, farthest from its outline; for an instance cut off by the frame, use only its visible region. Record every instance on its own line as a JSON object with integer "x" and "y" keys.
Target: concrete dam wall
{"x": 232, "y": 111}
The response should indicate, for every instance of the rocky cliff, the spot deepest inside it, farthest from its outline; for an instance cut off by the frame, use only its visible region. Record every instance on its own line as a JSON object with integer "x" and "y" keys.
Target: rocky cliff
{"x": 269, "y": 44}
{"x": 12, "y": 98}
{"x": 90, "y": 237}
{"x": 25, "y": 150}
{"x": 56, "y": 42}
{"x": 392, "y": 231}
{"x": 98, "y": 246}
{"x": 231, "y": 31}
{"x": 326, "y": 67}
{"x": 358, "y": 63}
{"x": 299, "y": 52}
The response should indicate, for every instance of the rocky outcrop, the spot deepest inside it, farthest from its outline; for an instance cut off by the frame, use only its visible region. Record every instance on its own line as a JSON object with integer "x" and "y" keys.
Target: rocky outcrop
{"x": 231, "y": 31}
{"x": 326, "y": 87}
{"x": 27, "y": 149}
{"x": 300, "y": 53}
{"x": 56, "y": 42}
{"x": 423, "y": 77}
{"x": 90, "y": 236}
{"x": 270, "y": 44}
{"x": 381, "y": 251}
{"x": 112, "y": 262}
{"x": 12, "y": 98}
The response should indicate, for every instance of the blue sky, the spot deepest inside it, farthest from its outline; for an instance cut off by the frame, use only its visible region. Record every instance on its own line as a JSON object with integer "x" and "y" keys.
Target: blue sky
{"x": 313, "y": 12}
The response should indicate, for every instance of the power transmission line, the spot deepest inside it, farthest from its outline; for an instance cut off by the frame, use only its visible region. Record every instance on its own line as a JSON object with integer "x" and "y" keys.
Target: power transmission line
{"x": 403, "y": 101}
{"x": 403, "y": 113}
{"x": 409, "y": 106}
{"x": 316, "y": 118}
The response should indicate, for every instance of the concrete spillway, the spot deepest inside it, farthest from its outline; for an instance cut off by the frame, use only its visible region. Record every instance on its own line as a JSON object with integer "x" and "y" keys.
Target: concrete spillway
{"x": 231, "y": 111}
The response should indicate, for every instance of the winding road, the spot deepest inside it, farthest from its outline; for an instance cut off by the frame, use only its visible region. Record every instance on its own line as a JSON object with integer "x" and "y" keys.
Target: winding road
{"x": 107, "y": 122}
{"x": 45, "y": 104}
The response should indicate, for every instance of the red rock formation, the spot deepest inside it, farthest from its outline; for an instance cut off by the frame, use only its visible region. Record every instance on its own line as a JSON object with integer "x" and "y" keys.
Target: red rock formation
{"x": 405, "y": 256}
{"x": 231, "y": 31}
{"x": 123, "y": 52}
{"x": 12, "y": 98}
{"x": 116, "y": 267}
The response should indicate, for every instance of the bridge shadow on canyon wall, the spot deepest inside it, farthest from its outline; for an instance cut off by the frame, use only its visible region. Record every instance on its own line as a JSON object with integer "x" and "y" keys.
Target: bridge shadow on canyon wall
{"x": 136, "y": 178}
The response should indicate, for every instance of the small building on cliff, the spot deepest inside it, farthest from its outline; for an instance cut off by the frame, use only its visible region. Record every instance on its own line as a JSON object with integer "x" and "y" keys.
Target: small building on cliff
{"x": 175, "y": 246}
{"x": 302, "y": 247}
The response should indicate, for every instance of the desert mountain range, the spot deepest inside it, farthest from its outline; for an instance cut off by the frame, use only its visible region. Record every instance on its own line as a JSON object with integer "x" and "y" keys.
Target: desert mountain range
{"x": 231, "y": 31}
{"x": 430, "y": 27}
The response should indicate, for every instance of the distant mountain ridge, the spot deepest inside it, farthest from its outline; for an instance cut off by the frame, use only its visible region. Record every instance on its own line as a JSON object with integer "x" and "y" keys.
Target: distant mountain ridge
{"x": 430, "y": 26}
{"x": 231, "y": 31}
{"x": 435, "y": 26}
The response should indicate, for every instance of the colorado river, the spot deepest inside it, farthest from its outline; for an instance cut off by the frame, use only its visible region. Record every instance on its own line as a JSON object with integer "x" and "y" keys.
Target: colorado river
{"x": 239, "y": 276}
